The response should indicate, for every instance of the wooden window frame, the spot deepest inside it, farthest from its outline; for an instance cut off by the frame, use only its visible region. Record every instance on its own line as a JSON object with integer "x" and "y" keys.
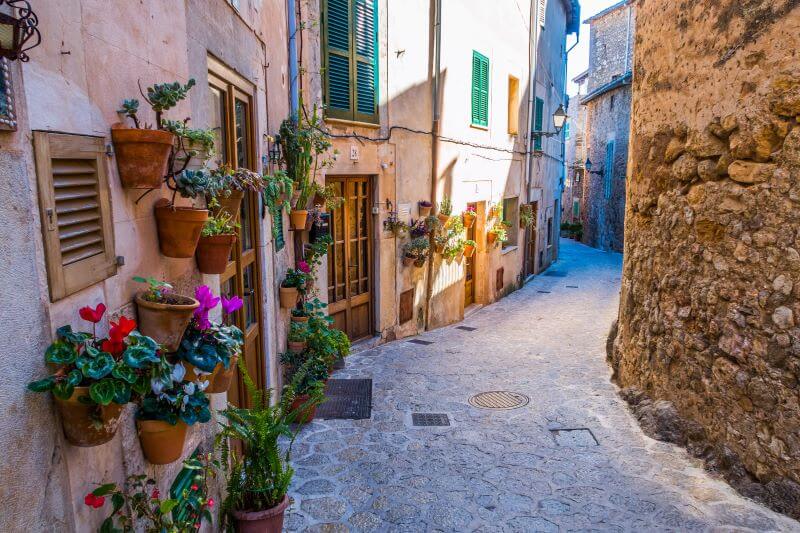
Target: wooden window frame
{"x": 65, "y": 280}
{"x": 513, "y": 105}
{"x": 538, "y": 124}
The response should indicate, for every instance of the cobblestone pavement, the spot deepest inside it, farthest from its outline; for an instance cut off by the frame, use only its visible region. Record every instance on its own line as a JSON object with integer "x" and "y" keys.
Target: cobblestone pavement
{"x": 509, "y": 470}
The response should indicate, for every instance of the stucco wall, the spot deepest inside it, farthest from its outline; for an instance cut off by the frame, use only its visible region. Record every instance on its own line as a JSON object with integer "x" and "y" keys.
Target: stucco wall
{"x": 90, "y": 59}
{"x": 709, "y": 305}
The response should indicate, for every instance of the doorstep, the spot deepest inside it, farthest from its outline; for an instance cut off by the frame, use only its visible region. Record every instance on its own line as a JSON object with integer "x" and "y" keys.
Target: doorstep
{"x": 471, "y": 310}
{"x": 368, "y": 343}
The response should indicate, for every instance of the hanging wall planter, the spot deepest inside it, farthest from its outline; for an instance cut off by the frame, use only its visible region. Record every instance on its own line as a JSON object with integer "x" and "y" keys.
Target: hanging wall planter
{"x": 469, "y": 218}
{"x": 288, "y": 297}
{"x": 162, "y": 442}
{"x": 469, "y": 250}
{"x": 298, "y": 218}
{"x": 220, "y": 380}
{"x": 231, "y": 204}
{"x": 165, "y": 320}
{"x": 142, "y": 156}
{"x": 213, "y": 253}
{"x": 178, "y": 228}
{"x": 87, "y": 424}
{"x": 424, "y": 208}
{"x": 491, "y": 237}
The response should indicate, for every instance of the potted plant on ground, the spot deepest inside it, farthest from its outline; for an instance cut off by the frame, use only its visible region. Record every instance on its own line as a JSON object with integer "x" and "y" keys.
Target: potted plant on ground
{"x": 142, "y": 153}
{"x": 96, "y": 377}
{"x": 424, "y": 207}
{"x": 179, "y": 227}
{"x": 469, "y": 248}
{"x": 163, "y": 315}
{"x": 140, "y": 502}
{"x": 165, "y": 413}
{"x": 216, "y": 242}
{"x": 307, "y": 377}
{"x": 298, "y": 335}
{"x": 303, "y": 142}
{"x": 416, "y": 251}
{"x": 211, "y": 348}
{"x": 193, "y": 147}
{"x": 445, "y": 210}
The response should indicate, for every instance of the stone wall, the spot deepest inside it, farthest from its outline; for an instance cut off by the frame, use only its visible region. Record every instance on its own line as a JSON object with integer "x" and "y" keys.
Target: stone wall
{"x": 610, "y": 45}
{"x": 710, "y": 301}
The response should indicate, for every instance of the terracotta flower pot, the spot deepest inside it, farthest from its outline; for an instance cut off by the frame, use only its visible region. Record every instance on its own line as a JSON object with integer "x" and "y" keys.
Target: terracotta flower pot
{"x": 196, "y": 161}
{"x": 438, "y": 248}
{"x": 297, "y": 347}
{"x": 299, "y": 318}
{"x": 491, "y": 237}
{"x": 162, "y": 443}
{"x": 408, "y": 260}
{"x": 419, "y": 262}
{"x": 424, "y": 210}
{"x": 468, "y": 250}
{"x": 298, "y": 218}
{"x": 213, "y": 253}
{"x": 179, "y": 229}
{"x": 222, "y": 377}
{"x": 87, "y": 425}
{"x": 142, "y": 156}
{"x": 444, "y": 219}
{"x": 165, "y": 322}
{"x": 306, "y": 416}
{"x": 288, "y": 297}
{"x": 469, "y": 219}
{"x": 267, "y": 521}
{"x": 231, "y": 204}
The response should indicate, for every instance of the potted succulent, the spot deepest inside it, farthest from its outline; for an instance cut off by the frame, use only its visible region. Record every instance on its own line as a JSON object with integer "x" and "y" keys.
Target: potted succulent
{"x": 395, "y": 225}
{"x": 469, "y": 216}
{"x": 424, "y": 207}
{"x": 469, "y": 248}
{"x": 415, "y": 252}
{"x": 216, "y": 241}
{"x": 228, "y": 187}
{"x": 96, "y": 377}
{"x": 209, "y": 347}
{"x": 193, "y": 147}
{"x": 445, "y": 210}
{"x": 165, "y": 413}
{"x": 298, "y": 335}
{"x": 140, "y": 502}
{"x": 256, "y": 481}
{"x": 303, "y": 143}
{"x": 163, "y": 315}
{"x": 179, "y": 227}
{"x": 143, "y": 153}
{"x": 292, "y": 286}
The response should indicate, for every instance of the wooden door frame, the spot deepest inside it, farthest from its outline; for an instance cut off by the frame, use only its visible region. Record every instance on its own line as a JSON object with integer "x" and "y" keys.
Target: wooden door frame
{"x": 372, "y": 248}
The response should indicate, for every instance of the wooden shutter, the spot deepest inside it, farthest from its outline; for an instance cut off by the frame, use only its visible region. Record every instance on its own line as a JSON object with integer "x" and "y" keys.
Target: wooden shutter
{"x": 365, "y": 35}
{"x": 538, "y": 123}
{"x": 480, "y": 89}
{"x": 608, "y": 171}
{"x": 75, "y": 210}
{"x": 337, "y": 57}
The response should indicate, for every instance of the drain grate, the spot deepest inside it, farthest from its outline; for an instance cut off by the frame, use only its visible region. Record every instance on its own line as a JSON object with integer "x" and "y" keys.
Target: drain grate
{"x": 430, "y": 419}
{"x": 574, "y": 437}
{"x": 349, "y": 399}
{"x": 543, "y": 292}
{"x": 555, "y": 274}
{"x": 466, "y": 328}
{"x": 420, "y": 341}
{"x": 499, "y": 400}
{"x": 572, "y": 286}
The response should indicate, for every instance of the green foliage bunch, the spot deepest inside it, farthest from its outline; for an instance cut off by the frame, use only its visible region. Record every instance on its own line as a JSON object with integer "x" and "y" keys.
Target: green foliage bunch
{"x": 161, "y": 97}
{"x": 220, "y": 224}
{"x": 182, "y": 400}
{"x": 446, "y": 206}
{"x": 205, "y": 138}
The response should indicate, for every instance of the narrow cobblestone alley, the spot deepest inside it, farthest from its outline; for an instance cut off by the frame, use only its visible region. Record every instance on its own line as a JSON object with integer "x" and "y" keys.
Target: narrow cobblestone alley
{"x": 509, "y": 470}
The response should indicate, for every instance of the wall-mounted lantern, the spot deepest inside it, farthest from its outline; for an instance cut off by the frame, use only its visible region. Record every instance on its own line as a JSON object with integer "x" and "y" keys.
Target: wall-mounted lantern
{"x": 18, "y": 30}
{"x": 559, "y": 119}
{"x": 588, "y": 167}
{"x": 275, "y": 153}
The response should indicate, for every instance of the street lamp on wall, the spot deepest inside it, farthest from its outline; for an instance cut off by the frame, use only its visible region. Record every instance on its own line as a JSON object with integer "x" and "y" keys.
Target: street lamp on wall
{"x": 559, "y": 119}
{"x": 588, "y": 167}
{"x": 19, "y": 33}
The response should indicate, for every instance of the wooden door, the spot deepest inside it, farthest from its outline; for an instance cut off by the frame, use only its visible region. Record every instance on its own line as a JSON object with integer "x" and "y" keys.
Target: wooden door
{"x": 233, "y": 120}
{"x": 530, "y": 242}
{"x": 350, "y": 258}
{"x": 469, "y": 268}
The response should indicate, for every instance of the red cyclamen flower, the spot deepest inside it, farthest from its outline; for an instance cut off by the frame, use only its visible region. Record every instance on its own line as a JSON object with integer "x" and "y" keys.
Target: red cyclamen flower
{"x": 195, "y": 487}
{"x": 92, "y": 315}
{"x": 156, "y": 494}
{"x": 94, "y": 501}
{"x": 211, "y": 502}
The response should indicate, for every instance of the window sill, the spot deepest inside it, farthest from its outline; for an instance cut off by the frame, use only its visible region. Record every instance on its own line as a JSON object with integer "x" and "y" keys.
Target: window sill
{"x": 355, "y": 123}
{"x": 509, "y": 249}
{"x": 479, "y": 127}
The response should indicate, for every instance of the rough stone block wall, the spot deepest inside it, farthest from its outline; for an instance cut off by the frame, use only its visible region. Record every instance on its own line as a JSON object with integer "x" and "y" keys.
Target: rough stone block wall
{"x": 603, "y": 218}
{"x": 609, "y": 43}
{"x": 710, "y": 303}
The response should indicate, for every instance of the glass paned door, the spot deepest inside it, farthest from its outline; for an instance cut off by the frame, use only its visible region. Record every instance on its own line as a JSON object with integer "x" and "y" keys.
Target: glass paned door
{"x": 469, "y": 268}
{"x": 350, "y": 258}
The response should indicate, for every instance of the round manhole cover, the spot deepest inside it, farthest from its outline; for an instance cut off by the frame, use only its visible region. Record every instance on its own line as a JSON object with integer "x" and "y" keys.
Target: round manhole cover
{"x": 499, "y": 400}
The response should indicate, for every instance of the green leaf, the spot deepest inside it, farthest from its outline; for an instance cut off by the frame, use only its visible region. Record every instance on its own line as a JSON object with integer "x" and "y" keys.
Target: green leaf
{"x": 167, "y": 506}
{"x": 75, "y": 377}
{"x": 104, "y": 489}
{"x": 118, "y": 500}
{"x": 108, "y": 526}
{"x": 97, "y": 367}
{"x": 142, "y": 385}
{"x": 65, "y": 333}
{"x": 139, "y": 355}
{"x": 61, "y": 353}
{"x": 63, "y": 390}
{"x": 103, "y": 391}
{"x": 124, "y": 372}
{"x": 43, "y": 385}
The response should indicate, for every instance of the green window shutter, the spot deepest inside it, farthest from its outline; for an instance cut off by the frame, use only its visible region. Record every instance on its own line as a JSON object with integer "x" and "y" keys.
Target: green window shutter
{"x": 279, "y": 240}
{"x": 608, "y": 171}
{"x": 480, "y": 89}
{"x": 350, "y": 44}
{"x": 538, "y": 123}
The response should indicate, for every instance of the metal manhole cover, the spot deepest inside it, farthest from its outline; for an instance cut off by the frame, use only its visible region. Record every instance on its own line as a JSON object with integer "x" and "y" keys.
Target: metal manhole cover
{"x": 499, "y": 400}
{"x": 420, "y": 341}
{"x": 430, "y": 419}
{"x": 466, "y": 328}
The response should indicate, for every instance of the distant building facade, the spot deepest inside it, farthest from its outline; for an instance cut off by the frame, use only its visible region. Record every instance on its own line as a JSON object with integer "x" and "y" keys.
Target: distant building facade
{"x": 608, "y": 105}
{"x": 575, "y": 153}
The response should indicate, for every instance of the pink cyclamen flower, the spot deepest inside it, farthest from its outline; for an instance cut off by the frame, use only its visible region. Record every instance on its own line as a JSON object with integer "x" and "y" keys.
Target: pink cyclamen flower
{"x": 232, "y": 304}
{"x": 303, "y": 267}
{"x": 207, "y": 302}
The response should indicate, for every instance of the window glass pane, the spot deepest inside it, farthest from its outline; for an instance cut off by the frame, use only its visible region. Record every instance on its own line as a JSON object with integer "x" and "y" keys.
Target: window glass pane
{"x": 249, "y": 297}
{"x": 216, "y": 106}
{"x": 245, "y": 229}
{"x": 242, "y": 134}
